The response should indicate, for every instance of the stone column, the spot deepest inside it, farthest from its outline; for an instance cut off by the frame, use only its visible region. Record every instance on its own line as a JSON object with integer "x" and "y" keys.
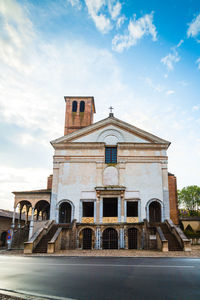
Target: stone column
{"x": 98, "y": 208}
{"x": 98, "y": 238}
{"x": 9, "y": 242}
{"x": 119, "y": 209}
{"x": 95, "y": 211}
{"x": 80, "y": 211}
{"x": 19, "y": 217}
{"x": 165, "y": 209}
{"x": 121, "y": 232}
{"x": 125, "y": 210}
{"x": 101, "y": 211}
{"x": 13, "y": 219}
{"x": 54, "y": 193}
{"x": 139, "y": 211}
{"x": 122, "y": 207}
{"x": 31, "y": 224}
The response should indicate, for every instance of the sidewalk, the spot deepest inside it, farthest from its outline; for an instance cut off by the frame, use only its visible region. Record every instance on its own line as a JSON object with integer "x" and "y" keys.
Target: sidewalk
{"x": 116, "y": 253}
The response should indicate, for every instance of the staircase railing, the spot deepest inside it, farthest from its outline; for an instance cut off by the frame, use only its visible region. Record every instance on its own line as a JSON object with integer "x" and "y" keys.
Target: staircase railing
{"x": 55, "y": 243}
{"x": 20, "y": 235}
{"x": 162, "y": 243}
{"x": 180, "y": 236}
{"x": 37, "y": 236}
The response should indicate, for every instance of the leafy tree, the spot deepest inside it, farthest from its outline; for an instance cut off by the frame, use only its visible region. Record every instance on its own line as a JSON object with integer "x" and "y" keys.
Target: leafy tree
{"x": 190, "y": 197}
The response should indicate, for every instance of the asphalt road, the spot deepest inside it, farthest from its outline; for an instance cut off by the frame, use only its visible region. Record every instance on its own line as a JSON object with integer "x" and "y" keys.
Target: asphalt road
{"x": 93, "y": 278}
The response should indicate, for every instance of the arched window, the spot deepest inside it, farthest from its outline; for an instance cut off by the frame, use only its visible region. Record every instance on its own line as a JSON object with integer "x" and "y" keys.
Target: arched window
{"x": 74, "y": 106}
{"x": 82, "y": 106}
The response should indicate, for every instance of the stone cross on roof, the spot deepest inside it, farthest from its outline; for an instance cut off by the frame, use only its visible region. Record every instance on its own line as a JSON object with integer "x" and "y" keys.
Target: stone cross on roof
{"x": 111, "y": 113}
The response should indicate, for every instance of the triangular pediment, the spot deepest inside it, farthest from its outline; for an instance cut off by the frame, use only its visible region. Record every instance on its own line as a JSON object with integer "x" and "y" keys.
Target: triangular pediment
{"x": 110, "y": 127}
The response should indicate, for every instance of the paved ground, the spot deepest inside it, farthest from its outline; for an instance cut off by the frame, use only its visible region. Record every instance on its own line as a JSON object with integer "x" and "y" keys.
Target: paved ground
{"x": 102, "y": 278}
{"x": 117, "y": 253}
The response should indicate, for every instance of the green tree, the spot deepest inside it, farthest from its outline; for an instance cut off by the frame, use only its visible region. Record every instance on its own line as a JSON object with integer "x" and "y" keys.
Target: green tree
{"x": 190, "y": 197}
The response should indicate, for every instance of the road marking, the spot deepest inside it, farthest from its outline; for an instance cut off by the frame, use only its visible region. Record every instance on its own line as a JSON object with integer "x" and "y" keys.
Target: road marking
{"x": 33, "y": 296}
{"x": 101, "y": 265}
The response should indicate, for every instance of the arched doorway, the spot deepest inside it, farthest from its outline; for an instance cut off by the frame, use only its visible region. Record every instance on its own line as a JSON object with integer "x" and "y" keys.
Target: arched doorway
{"x": 154, "y": 212}
{"x": 110, "y": 239}
{"x": 86, "y": 238}
{"x": 65, "y": 212}
{"x": 3, "y": 238}
{"x": 132, "y": 238}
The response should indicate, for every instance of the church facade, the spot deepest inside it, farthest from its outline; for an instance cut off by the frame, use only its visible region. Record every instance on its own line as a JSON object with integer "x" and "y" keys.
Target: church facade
{"x": 110, "y": 181}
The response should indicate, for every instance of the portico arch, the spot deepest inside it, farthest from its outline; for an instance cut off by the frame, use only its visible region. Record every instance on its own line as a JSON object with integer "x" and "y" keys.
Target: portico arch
{"x": 42, "y": 208}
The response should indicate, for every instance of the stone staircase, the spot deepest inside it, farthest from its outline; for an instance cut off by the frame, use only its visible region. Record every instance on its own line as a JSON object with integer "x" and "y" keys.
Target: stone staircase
{"x": 20, "y": 235}
{"x": 43, "y": 243}
{"x": 173, "y": 244}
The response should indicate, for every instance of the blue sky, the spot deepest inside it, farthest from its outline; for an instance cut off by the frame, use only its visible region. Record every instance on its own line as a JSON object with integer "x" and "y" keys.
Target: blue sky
{"x": 142, "y": 57}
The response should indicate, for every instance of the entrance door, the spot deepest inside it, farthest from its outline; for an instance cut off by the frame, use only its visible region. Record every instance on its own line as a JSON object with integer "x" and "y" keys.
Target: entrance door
{"x": 154, "y": 212}
{"x": 3, "y": 238}
{"x": 87, "y": 238}
{"x": 110, "y": 239}
{"x": 132, "y": 238}
{"x": 65, "y": 213}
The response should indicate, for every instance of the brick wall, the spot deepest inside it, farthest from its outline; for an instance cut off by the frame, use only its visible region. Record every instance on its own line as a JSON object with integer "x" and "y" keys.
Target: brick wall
{"x": 77, "y": 120}
{"x": 49, "y": 182}
{"x": 173, "y": 200}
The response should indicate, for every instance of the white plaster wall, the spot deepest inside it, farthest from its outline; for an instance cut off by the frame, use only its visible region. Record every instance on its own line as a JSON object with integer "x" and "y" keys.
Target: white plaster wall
{"x": 127, "y": 136}
{"x": 74, "y": 178}
{"x": 146, "y": 178}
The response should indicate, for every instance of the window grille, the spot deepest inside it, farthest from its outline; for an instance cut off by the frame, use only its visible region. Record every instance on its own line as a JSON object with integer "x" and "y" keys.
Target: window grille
{"x": 111, "y": 155}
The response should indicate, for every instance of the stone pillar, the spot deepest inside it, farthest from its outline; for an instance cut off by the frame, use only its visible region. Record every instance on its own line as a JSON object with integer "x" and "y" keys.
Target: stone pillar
{"x": 121, "y": 232}
{"x": 119, "y": 209}
{"x": 139, "y": 211}
{"x": 98, "y": 238}
{"x": 98, "y": 208}
{"x": 31, "y": 224}
{"x": 53, "y": 208}
{"x": 95, "y": 205}
{"x": 122, "y": 207}
{"x": 165, "y": 209}
{"x": 13, "y": 219}
{"x": 19, "y": 217}
{"x": 125, "y": 210}
{"x": 9, "y": 242}
{"x": 101, "y": 210}
{"x": 80, "y": 211}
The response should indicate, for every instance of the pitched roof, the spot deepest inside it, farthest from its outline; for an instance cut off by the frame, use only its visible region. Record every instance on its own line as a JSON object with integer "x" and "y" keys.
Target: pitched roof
{"x": 110, "y": 121}
{"x": 9, "y": 214}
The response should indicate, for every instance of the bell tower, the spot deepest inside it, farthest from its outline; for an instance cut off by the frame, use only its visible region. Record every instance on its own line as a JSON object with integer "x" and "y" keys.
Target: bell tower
{"x": 79, "y": 113}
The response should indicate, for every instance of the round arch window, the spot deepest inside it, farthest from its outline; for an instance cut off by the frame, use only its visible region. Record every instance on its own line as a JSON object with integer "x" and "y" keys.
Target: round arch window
{"x": 82, "y": 106}
{"x": 74, "y": 106}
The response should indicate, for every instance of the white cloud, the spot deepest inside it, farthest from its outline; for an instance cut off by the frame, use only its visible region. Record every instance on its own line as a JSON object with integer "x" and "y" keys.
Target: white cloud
{"x": 136, "y": 30}
{"x": 170, "y": 59}
{"x": 156, "y": 87}
{"x": 195, "y": 108}
{"x": 198, "y": 63}
{"x": 101, "y": 21}
{"x": 16, "y": 35}
{"x": 120, "y": 21}
{"x": 75, "y": 3}
{"x": 194, "y": 27}
{"x": 180, "y": 43}
{"x": 170, "y": 92}
{"x": 114, "y": 8}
